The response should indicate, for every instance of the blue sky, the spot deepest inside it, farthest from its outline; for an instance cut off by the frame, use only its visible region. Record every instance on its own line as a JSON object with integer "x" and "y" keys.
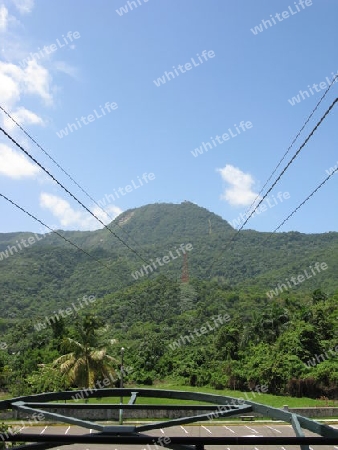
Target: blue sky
{"x": 99, "y": 62}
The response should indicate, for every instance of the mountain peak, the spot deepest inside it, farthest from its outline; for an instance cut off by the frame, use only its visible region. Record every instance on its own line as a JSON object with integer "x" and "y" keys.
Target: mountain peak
{"x": 161, "y": 220}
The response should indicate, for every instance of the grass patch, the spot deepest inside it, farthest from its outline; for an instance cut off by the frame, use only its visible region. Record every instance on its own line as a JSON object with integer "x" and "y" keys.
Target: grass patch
{"x": 276, "y": 401}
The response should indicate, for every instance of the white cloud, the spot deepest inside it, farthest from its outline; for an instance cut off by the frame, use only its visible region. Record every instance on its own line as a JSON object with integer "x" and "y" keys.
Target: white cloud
{"x": 22, "y": 116}
{"x": 16, "y": 165}
{"x": 24, "y": 6}
{"x": 240, "y": 192}
{"x": 15, "y": 81}
{"x": 21, "y": 74}
{"x": 18, "y": 80}
{"x": 37, "y": 80}
{"x": 3, "y": 18}
{"x": 62, "y": 66}
{"x": 9, "y": 88}
{"x": 111, "y": 211}
{"x": 69, "y": 217}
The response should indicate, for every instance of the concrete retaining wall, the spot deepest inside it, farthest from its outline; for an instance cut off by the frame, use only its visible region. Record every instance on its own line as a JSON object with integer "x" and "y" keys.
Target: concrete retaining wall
{"x": 316, "y": 412}
{"x": 4, "y": 415}
{"x": 113, "y": 414}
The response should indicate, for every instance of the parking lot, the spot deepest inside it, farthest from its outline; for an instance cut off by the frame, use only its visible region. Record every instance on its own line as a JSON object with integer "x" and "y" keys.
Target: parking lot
{"x": 221, "y": 430}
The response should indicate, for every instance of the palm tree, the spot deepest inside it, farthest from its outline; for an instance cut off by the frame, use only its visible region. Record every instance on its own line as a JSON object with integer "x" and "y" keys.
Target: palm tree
{"x": 87, "y": 361}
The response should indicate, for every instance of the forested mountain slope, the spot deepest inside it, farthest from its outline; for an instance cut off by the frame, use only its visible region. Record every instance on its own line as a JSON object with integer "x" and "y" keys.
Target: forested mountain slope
{"x": 47, "y": 274}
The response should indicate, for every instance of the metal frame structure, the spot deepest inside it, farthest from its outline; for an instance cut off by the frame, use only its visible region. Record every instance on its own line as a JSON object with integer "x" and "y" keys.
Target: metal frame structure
{"x": 215, "y": 406}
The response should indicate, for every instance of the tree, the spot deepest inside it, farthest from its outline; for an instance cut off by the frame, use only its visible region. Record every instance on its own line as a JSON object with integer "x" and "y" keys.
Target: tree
{"x": 59, "y": 330}
{"x": 86, "y": 361}
{"x": 318, "y": 296}
{"x": 227, "y": 341}
{"x": 47, "y": 379}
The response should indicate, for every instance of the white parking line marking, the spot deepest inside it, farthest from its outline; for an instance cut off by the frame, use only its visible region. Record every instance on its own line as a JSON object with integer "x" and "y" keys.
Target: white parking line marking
{"x": 90, "y": 431}
{"x": 273, "y": 429}
{"x": 251, "y": 429}
{"x": 232, "y": 431}
{"x": 206, "y": 429}
{"x": 162, "y": 431}
{"x": 187, "y": 432}
{"x": 67, "y": 430}
{"x": 44, "y": 429}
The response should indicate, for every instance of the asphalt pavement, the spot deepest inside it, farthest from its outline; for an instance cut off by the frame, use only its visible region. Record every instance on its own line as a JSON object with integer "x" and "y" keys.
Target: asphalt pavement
{"x": 248, "y": 429}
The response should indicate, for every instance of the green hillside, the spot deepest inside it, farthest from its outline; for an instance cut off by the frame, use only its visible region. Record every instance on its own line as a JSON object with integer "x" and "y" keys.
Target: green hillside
{"x": 50, "y": 272}
{"x": 273, "y": 331}
{"x": 201, "y": 333}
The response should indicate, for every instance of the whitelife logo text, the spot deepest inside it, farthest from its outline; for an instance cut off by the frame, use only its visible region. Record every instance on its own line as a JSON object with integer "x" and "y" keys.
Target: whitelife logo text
{"x": 206, "y": 146}
{"x": 108, "y": 198}
{"x": 318, "y": 267}
{"x": 48, "y": 49}
{"x": 161, "y": 261}
{"x": 285, "y": 15}
{"x": 85, "y": 120}
{"x": 168, "y": 76}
